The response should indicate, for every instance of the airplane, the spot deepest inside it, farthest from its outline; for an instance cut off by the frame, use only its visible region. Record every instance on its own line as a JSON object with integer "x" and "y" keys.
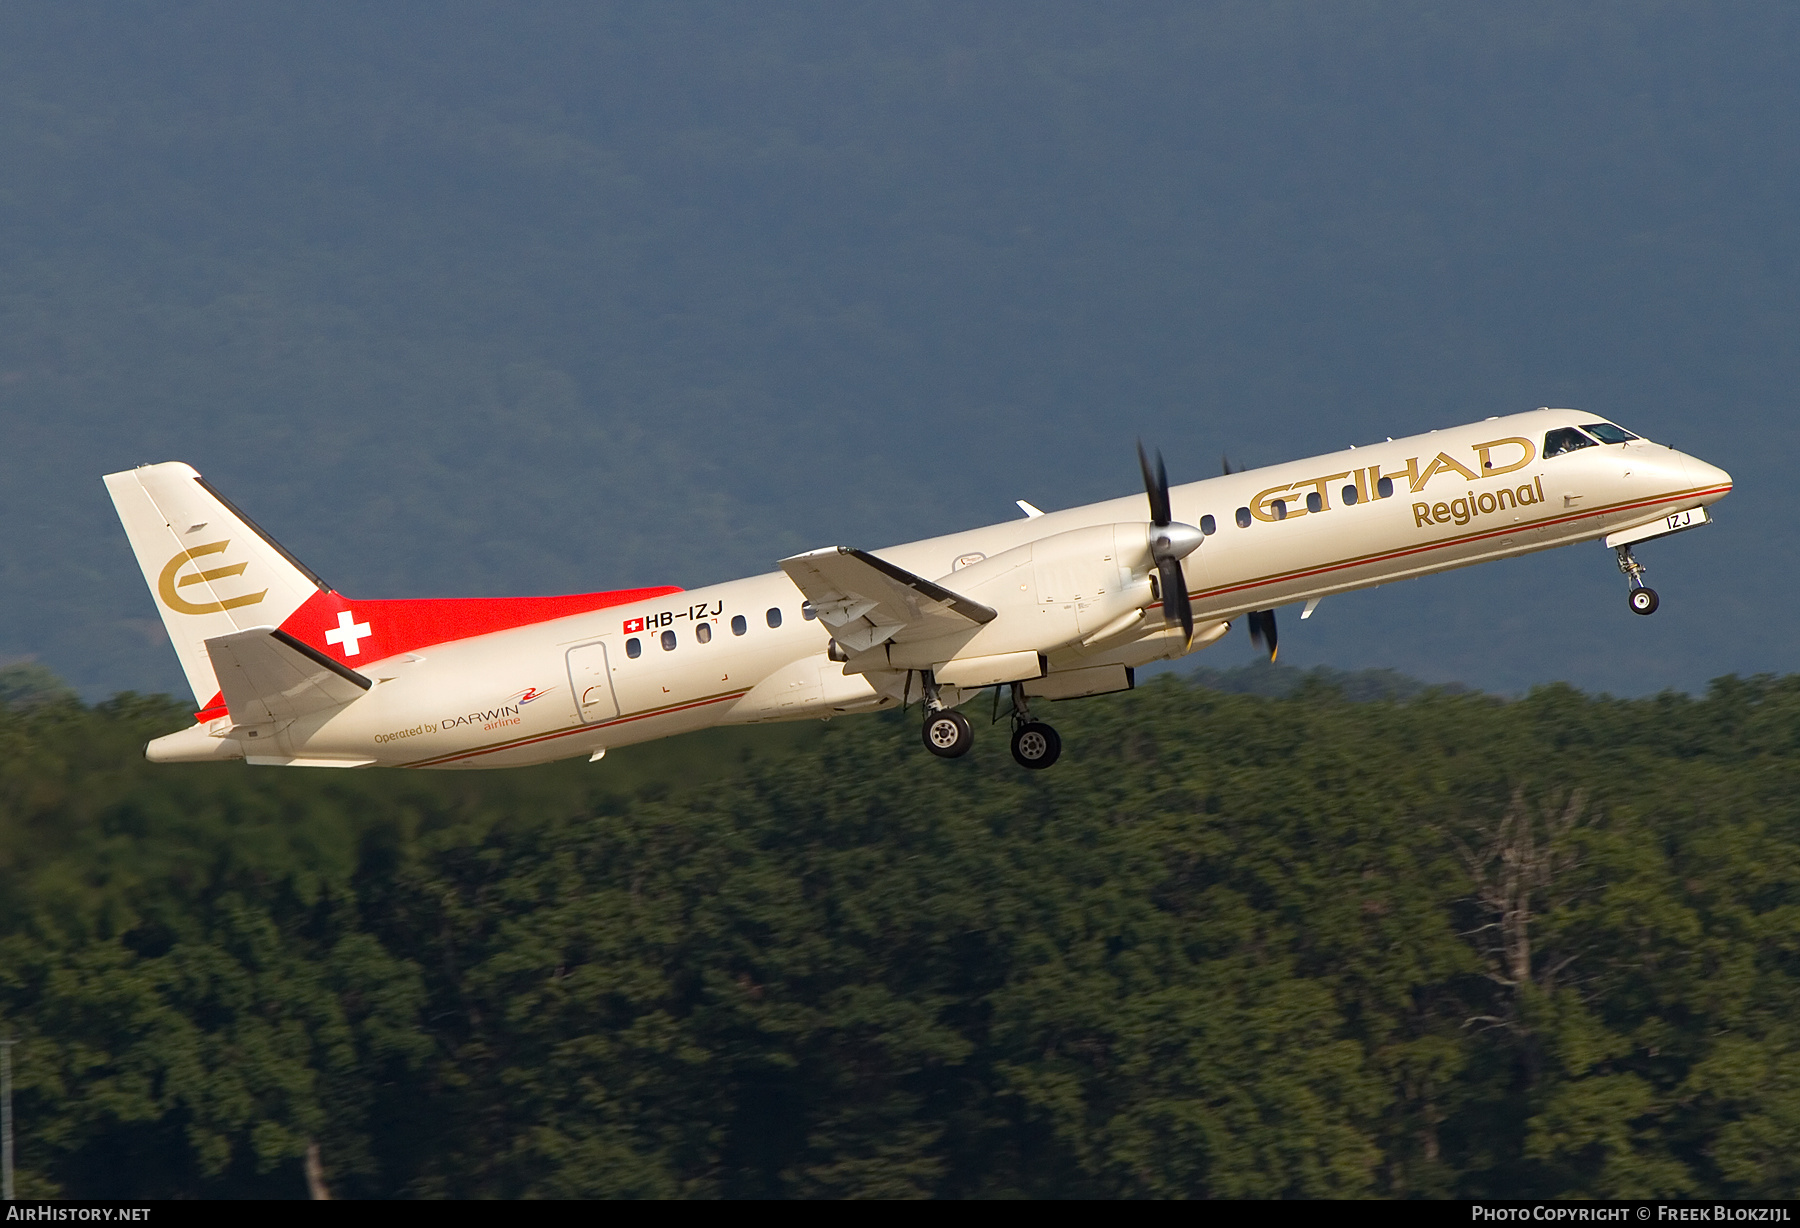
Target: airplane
{"x": 1053, "y": 606}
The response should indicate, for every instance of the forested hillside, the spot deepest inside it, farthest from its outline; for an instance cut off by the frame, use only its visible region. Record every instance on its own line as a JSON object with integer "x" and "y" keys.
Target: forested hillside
{"x": 1230, "y": 946}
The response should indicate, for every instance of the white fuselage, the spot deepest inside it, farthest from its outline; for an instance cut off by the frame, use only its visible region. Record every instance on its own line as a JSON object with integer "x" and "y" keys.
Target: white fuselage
{"x": 572, "y": 686}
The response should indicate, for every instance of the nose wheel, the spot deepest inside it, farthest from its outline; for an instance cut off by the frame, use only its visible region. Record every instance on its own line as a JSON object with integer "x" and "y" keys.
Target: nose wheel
{"x": 1643, "y": 600}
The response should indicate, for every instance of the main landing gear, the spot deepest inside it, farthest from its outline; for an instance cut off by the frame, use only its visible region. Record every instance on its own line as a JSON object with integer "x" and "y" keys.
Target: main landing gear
{"x": 1035, "y": 745}
{"x": 948, "y": 735}
{"x": 1643, "y": 600}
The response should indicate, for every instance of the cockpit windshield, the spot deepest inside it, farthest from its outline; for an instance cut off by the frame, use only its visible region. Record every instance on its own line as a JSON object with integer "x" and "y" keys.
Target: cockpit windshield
{"x": 1606, "y": 432}
{"x": 1565, "y": 439}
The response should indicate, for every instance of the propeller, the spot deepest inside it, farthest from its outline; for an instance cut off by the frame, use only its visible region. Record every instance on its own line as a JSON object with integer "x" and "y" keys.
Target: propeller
{"x": 1169, "y": 543}
{"x": 1262, "y": 630}
{"x": 1262, "y": 622}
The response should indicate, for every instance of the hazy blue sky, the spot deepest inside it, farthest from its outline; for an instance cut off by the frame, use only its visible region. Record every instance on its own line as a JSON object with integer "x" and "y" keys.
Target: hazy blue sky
{"x": 522, "y": 298}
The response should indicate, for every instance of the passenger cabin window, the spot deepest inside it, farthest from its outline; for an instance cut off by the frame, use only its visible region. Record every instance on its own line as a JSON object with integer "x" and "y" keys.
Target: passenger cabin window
{"x": 1349, "y": 494}
{"x": 1314, "y": 503}
{"x": 1243, "y": 517}
{"x": 1606, "y": 432}
{"x": 1208, "y": 526}
{"x": 1279, "y": 507}
{"x": 668, "y": 641}
{"x": 703, "y": 632}
{"x": 807, "y": 612}
{"x": 1385, "y": 488}
{"x": 1565, "y": 439}
{"x": 738, "y": 625}
{"x": 774, "y": 616}
{"x": 634, "y": 648}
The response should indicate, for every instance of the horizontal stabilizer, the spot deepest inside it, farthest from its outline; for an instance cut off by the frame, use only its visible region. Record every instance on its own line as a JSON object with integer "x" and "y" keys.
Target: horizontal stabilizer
{"x": 865, "y": 601}
{"x": 268, "y": 676}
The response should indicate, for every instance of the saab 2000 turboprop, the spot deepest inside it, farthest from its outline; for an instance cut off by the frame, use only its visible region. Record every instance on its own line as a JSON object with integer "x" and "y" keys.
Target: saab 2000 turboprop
{"x": 1057, "y": 605}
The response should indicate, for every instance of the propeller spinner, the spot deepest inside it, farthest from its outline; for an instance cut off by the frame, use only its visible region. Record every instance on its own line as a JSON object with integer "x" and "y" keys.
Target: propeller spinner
{"x": 1169, "y": 543}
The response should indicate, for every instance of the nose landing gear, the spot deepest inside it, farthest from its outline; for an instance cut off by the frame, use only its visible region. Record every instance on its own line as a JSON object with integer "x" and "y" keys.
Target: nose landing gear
{"x": 1643, "y": 600}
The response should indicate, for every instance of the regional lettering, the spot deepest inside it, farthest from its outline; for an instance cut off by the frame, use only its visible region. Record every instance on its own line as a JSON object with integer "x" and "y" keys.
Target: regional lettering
{"x": 1463, "y": 510}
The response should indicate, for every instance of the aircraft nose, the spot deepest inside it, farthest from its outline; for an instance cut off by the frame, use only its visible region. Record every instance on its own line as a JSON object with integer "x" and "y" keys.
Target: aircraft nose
{"x": 1709, "y": 477}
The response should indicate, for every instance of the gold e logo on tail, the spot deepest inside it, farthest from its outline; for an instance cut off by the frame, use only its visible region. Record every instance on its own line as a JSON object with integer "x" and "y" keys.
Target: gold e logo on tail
{"x": 167, "y": 584}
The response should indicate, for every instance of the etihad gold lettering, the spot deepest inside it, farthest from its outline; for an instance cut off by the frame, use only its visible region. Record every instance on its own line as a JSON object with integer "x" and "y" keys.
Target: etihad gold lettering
{"x": 1490, "y": 470}
{"x": 166, "y": 584}
{"x": 1444, "y": 463}
{"x": 1262, "y": 507}
{"x": 1322, "y": 486}
{"x": 1412, "y": 474}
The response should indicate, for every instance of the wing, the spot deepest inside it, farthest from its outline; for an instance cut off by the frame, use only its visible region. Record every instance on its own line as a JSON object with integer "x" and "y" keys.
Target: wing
{"x": 268, "y": 675}
{"x": 864, "y": 601}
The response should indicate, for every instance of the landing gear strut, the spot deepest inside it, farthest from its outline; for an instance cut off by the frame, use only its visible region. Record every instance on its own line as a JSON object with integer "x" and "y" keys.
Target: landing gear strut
{"x": 1643, "y": 600}
{"x": 947, "y": 734}
{"x": 1034, "y": 744}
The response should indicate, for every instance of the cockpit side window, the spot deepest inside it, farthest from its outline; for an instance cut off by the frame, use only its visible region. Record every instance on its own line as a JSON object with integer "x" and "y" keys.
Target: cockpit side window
{"x": 1565, "y": 439}
{"x": 1606, "y": 432}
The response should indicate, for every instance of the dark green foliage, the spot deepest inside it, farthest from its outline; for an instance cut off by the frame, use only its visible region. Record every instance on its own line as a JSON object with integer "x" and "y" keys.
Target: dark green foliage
{"x": 1273, "y": 681}
{"x": 1231, "y": 946}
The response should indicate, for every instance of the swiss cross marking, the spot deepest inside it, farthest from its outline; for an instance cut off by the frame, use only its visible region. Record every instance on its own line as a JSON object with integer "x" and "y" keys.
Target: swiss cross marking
{"x": 347, "y": 633}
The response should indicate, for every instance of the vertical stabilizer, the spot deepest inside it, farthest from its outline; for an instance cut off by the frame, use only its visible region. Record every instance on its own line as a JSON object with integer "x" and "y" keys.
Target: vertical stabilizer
{"x": 211, "y": 571}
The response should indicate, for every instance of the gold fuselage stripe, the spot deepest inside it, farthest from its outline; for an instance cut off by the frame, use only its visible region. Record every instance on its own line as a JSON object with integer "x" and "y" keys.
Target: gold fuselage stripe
{"x": 515, "y": 743}
{"x": 1383, "y": 556}
{"x": 1223, "y": 590}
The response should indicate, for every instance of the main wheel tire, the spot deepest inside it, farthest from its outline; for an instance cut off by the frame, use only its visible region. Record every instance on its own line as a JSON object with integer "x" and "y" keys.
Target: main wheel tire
{"x": 1643, "y": 601}
{"x": 947, "y": 734}
{"x": 1035, "y": 745}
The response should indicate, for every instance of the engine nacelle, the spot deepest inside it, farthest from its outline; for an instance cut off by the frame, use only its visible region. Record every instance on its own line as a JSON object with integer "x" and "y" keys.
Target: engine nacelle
{"x": 1048, "y": 593}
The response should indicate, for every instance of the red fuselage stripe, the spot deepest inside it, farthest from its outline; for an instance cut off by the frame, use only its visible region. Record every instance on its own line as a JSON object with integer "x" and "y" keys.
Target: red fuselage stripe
{"x": 563, "y": 733}
{"x": 1454, "y": 541}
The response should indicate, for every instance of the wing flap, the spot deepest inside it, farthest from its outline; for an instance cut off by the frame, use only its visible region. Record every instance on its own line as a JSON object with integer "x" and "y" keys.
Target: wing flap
{"x": 865, "y": 601}
{"x": 267, "y": 675}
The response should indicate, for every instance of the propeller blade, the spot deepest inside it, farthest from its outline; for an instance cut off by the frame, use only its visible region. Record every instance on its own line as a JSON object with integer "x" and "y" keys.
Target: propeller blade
{"x": 1156, "y": 486}
{"x": 1262, "y": 628}
{"x": 1175, "y": 595}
